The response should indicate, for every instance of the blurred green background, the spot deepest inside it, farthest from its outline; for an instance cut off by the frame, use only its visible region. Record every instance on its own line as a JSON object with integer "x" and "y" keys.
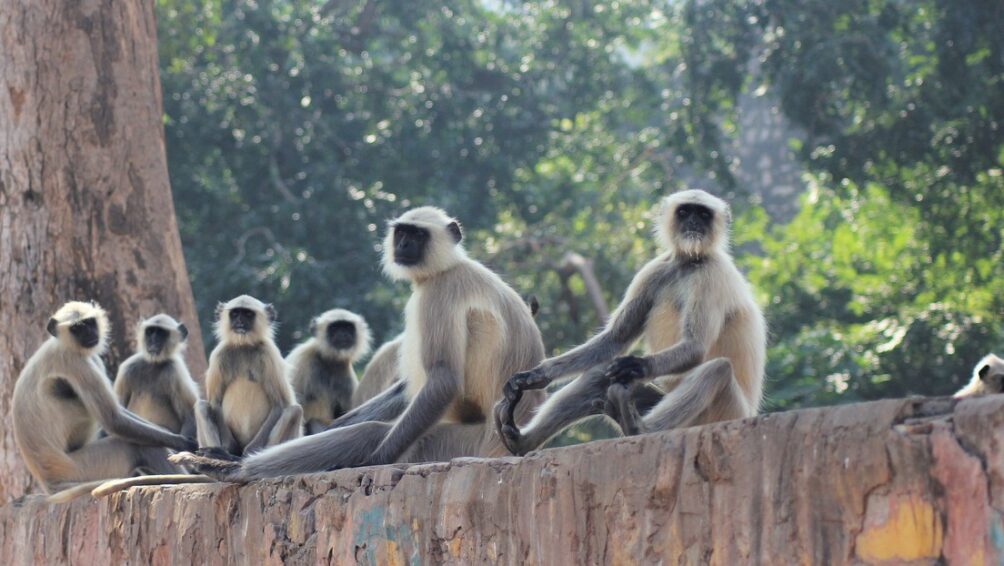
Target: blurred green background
{"x": 859, "y": 142}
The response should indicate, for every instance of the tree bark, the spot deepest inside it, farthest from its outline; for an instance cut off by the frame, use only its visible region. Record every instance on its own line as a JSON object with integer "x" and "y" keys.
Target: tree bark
{"x": 85, "y": 202}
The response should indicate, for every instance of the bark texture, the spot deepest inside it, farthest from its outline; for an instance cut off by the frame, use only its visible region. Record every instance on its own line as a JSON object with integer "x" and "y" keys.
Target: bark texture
{"x": 902, "y": 481}
{"x": 85, "y": 203}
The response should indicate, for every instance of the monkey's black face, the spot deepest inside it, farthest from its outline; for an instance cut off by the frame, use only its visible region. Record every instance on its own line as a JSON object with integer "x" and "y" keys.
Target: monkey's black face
{"x": 992, "y": 379}
{"x": 155, "y": 338}
{"x": 85, "y": 332}
{"x": 241, "y": 320}
{"x": 409, "y": 244}
{"x": 694, "y": 220}
{"x": 342, "y": 335}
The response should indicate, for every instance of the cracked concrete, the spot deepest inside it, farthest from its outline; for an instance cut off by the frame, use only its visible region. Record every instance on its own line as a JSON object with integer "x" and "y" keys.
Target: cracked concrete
{"x": 900, "y": 481}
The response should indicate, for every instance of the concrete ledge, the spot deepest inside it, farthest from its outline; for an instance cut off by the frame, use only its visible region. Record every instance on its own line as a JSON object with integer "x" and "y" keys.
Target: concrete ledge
{"x": 910, "y": 480}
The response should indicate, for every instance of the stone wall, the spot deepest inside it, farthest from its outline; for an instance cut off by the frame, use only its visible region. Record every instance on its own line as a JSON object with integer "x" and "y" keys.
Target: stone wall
{"x": 892, "y": 481}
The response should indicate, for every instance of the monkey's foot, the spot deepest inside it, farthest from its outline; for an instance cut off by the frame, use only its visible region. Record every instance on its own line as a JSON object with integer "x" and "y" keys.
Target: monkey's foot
{"x": 224, "y": 470}
{"x": 621, "y": 402}
{"x": 506, "y": 427}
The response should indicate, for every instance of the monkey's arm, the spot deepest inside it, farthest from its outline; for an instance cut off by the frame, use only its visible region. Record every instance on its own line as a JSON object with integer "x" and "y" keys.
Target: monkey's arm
{"x": 260, "y": 438}
{"x": 701, "y": 323}
{"x": 123, "y": 389}
{"x": 625, "y": 327}
{"x": 184, "y": 405}
{"x": 386, "y": 406}
{"x": 424, "y": 411}
{"x": 444, "y": 351}
{"x": 100, "y": 402}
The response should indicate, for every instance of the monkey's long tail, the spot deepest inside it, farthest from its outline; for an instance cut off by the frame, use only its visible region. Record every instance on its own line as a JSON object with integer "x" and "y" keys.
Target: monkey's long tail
{"x": 71, "y": 493}
{"x": 224, "y": 470}
{"x": 113, "y": 486}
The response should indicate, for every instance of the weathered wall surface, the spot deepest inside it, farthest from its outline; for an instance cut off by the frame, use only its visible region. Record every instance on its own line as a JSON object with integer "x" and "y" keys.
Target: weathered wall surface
{"x": 916, "y": 481}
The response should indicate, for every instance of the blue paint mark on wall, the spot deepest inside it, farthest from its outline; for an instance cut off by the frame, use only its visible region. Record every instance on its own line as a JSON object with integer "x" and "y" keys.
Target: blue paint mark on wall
{"x": 372, "y": 529}
{"x": 997, "y": 535}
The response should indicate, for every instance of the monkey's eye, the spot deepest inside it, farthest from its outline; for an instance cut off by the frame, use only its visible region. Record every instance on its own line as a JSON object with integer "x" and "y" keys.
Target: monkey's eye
{"x": 682, "y": 212}
{"x": 706, "y": 214}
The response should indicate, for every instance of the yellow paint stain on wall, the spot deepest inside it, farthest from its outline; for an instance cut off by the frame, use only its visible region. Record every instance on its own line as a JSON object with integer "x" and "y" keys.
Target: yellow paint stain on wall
{"x": 391, "y": 554}
{"x": 912, "y": 530}
{"x": 455, "y": 547}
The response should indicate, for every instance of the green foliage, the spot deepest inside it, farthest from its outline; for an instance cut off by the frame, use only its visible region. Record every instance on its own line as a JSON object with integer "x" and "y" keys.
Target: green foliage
{"x": 295, "y": 128}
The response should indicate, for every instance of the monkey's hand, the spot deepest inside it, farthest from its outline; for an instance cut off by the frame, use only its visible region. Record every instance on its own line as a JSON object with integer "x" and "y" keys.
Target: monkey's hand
{"x": 627, "y": 369}
{"x": 535, "y": 378}
{"x": 185, "y": 444}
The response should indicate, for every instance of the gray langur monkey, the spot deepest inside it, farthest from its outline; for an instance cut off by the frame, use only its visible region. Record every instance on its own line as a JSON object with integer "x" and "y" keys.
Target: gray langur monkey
{"x": 465, "y": 332}
{"x": 61, "y": 397}
{"x": 703, "y": 332}
{"x": 249, "y": 401}
{"x": 320, "y": 369}
{"x": 154, "y": 383}
{"x": 380, "y": 372}
{"x": 988, "y": 378}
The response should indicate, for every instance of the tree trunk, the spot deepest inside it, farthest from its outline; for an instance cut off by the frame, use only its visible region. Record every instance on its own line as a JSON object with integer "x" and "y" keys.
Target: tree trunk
{"x": 85, "y": 203}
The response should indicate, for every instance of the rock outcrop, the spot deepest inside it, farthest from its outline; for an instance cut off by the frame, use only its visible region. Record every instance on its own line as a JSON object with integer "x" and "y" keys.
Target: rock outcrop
{"x": 916, "y": 480}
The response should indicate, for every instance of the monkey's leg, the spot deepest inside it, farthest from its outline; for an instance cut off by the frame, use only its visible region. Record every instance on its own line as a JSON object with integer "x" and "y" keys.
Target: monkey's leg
{"x": 153, "y": 461}
{"x": 314, "y": 426}
{"x": 642, "y": 395}
{"x": 444, "y": 442}
{"x": 288, "y": 427}
{"x": 386, "y": 406}
{"x": 211, "y": 431}
{"x": 583, "y": 397}
{"x": 104, "y": 458}
{"x": 709, "y": 387}
{"x": 260, "y": 439}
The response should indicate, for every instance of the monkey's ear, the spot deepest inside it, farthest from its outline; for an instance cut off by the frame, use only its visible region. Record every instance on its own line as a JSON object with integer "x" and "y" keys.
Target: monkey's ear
{"x": 270, "y": 313}
{"x": 313, "y": 326}
{"x": 219, "y": 310}
{"x": 183, "y": 330}
{"x": 454, "y": 229}
{"x": 982, "y": 373}
{"x": 51, "y": 327}
{"x": 534, "y": 304}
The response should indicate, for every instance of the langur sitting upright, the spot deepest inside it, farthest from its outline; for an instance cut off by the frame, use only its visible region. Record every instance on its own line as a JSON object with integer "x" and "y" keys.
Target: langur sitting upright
{"x": 61, "y": 397}
{"x": 465, "y": 332}
{"x": 988, "y": 377}
{"x": 154, "y": 382}
{"x": 380, "y": 372}
{"x": 249, "y": 402}
{"x": 704, "y": 335}
{"x": 321, "y": 368}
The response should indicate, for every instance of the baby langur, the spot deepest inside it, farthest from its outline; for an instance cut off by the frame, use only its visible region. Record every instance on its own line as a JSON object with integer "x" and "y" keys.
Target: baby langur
{"x": 321, "y": 368}
{"x": 154, "y": 382}
{"x": 249, "y": 402}
{"x": 465, "y": 332}
{"x": 988, "y": 378}
{"x": 61, "y": 397}
{"x": 704, "y": 336}
{"x": 380, "y": 372}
